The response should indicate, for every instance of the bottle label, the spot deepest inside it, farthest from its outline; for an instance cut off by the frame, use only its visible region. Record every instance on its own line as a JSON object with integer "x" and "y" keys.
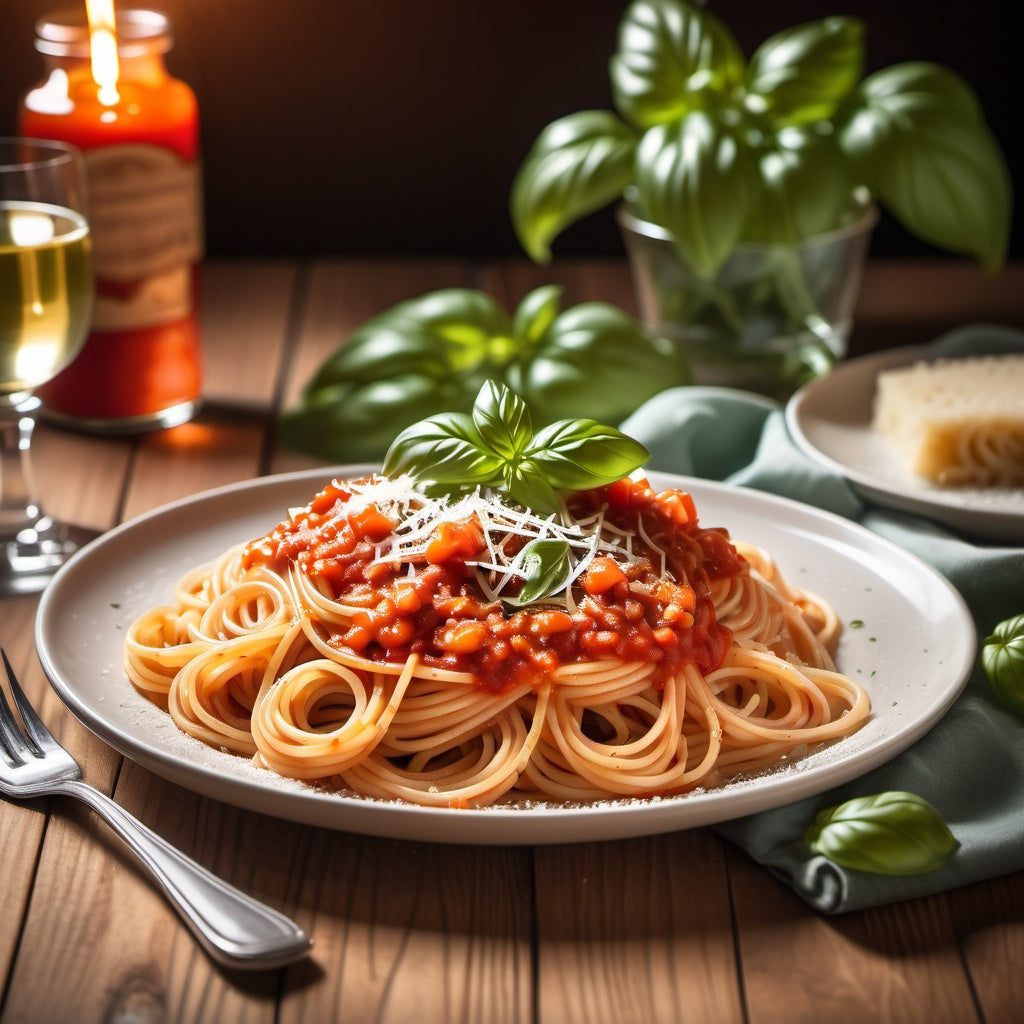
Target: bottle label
{"x": 145, "y": 213}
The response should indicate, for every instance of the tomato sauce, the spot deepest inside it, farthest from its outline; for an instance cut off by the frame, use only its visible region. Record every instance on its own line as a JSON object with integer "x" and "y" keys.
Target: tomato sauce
{"x": 623, "y": 610}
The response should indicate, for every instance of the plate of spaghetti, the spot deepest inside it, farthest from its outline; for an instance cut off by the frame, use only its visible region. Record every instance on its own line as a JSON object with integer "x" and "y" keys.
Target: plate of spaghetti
{"x": 353, "y": 650}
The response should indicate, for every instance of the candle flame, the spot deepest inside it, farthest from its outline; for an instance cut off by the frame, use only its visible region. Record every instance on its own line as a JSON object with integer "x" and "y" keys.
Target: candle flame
{"x": 103, "y": 48}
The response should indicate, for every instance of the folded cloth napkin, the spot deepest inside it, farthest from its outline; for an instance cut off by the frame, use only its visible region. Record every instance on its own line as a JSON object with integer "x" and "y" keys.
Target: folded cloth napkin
{"x": 970, "y": 766}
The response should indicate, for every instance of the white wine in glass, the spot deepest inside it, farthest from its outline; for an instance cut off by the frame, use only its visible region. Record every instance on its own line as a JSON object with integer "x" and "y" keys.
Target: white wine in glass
{"x": 46, "y": 292}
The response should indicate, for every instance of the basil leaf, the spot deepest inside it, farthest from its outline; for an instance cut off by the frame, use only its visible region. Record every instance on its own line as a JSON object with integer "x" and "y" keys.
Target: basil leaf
{"x": 355, "y": 422}
{"x": 1002, "y": 659}
{"x": 806, "y": 188}
{"x": 596, "y": 360}
{"x": 577, "y": 165}
{"x": 440, "y": 333}
{"x": 544, "y": 568}
{"x": 526, "y": 483}
{"x": 669, "y": 55}
{"x": 536, "y": 313}
{"x": 502, "y": 421}
{"x": 894, "y": 833}
{"x": 933, "y": 163}
{"x": 432, "y": 354}
{"x": 578, "y": 454}
{"x": 695, "y": 178}
{"x": 800, "y": 75}
{"x": 921, "y": 82}
{"x": 445, "y": 449}
{"x": 379, "y": 351}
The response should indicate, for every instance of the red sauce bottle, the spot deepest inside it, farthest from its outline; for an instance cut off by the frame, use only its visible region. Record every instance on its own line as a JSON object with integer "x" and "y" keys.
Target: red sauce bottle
{"x": 140, "y": 367}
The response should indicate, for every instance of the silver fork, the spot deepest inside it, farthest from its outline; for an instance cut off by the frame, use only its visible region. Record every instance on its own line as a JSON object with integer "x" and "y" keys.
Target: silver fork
{"x": 235, "y": 929}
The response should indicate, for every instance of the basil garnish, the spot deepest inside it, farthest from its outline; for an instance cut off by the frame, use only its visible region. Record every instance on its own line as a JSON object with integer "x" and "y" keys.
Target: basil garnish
{"x": 495, "y": 446}
{"x": 544, "y": 567}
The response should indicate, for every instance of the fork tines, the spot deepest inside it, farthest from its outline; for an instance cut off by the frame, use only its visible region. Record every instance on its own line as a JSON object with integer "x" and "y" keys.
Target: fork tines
{"x": 15, "y": 741}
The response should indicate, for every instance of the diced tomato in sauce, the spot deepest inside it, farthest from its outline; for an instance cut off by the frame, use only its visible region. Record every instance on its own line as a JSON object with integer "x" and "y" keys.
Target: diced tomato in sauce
{"x": 628, "y": 611}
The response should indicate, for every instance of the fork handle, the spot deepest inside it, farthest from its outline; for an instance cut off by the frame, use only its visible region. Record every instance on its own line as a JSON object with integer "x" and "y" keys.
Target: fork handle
{"x": 236, "y": 930}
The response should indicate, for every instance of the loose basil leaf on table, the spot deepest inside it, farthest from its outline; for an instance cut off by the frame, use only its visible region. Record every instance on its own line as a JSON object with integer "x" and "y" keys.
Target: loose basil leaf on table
{"x": 1002, "y": 659}
{"x": 893, "y": 833}
{"x": 594, "y": 360}
{"x": 432, "y": 354}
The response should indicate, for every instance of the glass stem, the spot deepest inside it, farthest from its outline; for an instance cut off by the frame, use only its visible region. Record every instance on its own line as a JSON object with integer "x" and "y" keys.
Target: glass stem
{"x": 19, "y": 507}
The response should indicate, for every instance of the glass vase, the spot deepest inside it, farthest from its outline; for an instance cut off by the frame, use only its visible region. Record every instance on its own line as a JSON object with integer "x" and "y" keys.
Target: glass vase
{"x": 774, "y": 316}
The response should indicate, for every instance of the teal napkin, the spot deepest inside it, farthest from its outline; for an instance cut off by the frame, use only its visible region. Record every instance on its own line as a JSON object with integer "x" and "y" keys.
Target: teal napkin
{"x": 970, "y": 766}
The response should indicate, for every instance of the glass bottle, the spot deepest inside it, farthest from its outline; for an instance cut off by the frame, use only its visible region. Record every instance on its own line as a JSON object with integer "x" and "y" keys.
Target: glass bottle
{"x": 140, "y": 366}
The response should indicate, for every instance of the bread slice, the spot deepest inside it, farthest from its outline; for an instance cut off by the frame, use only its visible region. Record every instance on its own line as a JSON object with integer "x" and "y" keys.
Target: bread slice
{"x": 956, "y": 422}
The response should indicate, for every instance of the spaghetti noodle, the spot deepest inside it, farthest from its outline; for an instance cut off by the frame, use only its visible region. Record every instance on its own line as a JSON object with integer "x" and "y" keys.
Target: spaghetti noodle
{"x": 377, "y": 642}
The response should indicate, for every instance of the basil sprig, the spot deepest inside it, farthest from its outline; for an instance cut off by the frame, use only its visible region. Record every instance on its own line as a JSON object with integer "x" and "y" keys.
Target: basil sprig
{"x": 721, "y": 150}
{"x": 495, "y": 446}
{"x": 431, "y": 354}
{"x": 893, "y": 833}
{"x": 1002, "y": 659}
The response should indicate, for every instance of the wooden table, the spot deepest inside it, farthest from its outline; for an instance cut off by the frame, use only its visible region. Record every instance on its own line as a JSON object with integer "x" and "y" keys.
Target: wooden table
{"x": 680, "y": 927}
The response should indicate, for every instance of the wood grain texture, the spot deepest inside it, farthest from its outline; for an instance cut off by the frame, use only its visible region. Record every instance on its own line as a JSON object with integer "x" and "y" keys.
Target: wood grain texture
{"x": 989, "y": 920}
{"x": 636, "y": 931}
{"x": 413, "y": 931}
{"x": 897, "y": 963}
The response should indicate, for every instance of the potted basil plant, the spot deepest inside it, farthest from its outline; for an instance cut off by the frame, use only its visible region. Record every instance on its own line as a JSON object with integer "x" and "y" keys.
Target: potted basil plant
{"x": 749, "y": 187}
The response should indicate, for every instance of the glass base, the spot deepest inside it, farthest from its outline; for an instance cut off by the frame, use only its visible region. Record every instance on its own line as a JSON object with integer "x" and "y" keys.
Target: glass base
{"x": 170, "y": 417}
{"x": 29, "y": 559}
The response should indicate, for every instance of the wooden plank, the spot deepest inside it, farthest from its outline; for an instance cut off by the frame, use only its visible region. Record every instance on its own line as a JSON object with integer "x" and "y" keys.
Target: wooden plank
{"x": 247, "y": 308}
{"x": 940, "y": 291}
{"x": 412, "y": 931}
{"x": 892, "y": 963}
{"x": 636, "y": 931}
{"x": 989, "y": 921}
{"x": 78, "y": 476}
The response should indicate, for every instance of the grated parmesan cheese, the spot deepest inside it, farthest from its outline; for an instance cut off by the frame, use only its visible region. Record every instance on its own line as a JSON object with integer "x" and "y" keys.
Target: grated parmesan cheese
{"x": 420, "y": 516}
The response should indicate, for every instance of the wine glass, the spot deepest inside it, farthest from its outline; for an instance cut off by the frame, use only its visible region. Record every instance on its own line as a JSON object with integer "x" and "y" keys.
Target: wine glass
{"x": 46, "y": 291}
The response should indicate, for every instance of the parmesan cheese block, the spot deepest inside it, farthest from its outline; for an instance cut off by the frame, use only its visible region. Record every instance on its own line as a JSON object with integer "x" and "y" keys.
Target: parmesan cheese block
{"x": 956, "y": 422}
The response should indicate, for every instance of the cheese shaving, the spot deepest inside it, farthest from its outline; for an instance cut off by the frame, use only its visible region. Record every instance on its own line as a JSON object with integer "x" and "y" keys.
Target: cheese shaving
{"x": 419, "y": 517}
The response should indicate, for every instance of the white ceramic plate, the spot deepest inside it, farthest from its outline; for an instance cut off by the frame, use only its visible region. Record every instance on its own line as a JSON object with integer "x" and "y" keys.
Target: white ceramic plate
{"x": 830, "y": 419}
{"x": 914, "y": 652}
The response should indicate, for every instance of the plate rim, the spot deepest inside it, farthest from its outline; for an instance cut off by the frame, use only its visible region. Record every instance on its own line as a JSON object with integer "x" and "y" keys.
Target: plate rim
{"x": 989, "y": 523}
{"x": 547, "y": 823}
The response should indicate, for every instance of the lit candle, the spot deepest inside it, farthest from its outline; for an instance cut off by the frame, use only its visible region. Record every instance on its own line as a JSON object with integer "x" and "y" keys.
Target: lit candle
{"x": 107, "y": 91}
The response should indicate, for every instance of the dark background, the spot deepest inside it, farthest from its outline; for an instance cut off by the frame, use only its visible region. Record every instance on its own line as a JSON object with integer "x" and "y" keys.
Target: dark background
{"x": 396, "y": 126}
